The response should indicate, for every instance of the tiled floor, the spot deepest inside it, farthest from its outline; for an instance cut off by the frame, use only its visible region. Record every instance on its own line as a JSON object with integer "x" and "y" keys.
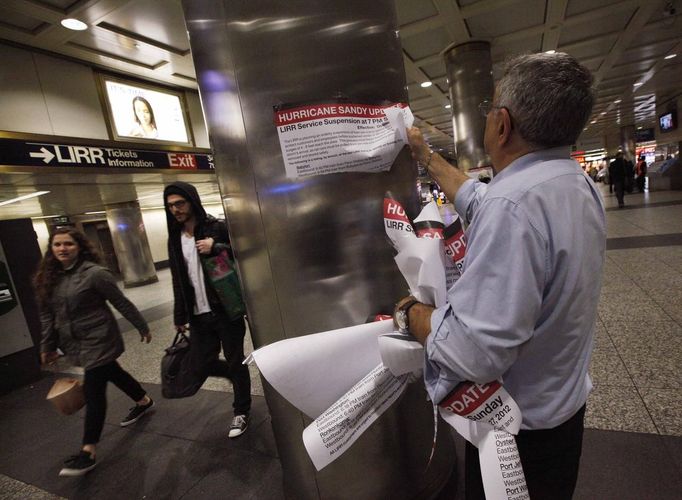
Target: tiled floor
{"x": 634, "y": 416}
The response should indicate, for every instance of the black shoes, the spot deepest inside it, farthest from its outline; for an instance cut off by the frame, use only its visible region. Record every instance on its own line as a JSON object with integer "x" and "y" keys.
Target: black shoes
{"x": 136, "y": 412}
{"x": 239, "y": 425}
{"x": 78, "y": 465}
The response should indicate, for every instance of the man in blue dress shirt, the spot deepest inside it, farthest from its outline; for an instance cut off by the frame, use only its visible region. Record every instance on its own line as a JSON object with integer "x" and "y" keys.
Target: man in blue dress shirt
{"x": 524, "y": 310}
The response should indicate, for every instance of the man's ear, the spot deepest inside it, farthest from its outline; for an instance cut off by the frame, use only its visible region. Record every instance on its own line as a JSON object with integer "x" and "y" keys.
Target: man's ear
{"x": 504, "y": 126}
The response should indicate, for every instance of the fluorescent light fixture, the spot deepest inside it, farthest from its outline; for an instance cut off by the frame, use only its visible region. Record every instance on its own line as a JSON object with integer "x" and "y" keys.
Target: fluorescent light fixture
{"x": 638, "y": 84}
{"x": 47, "y": 216}
{"x": 639, "y": 128}
{"x": 670, "y": 56}
{"x": 24, "y": 197}
{"x": 74, "y": 24}
{"x": 147, "y": 196}
{"x": 617, "y": 101}
{"x": 593, "y": 121}
{"x": 448, "y": 106}
{"x": 550, "y": 51}
{"x": 96, "y": 213}
{"x": 426, "y": 84}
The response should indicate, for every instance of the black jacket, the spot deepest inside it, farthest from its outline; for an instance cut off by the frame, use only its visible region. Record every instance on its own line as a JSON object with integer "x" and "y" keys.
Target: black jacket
{"x": 79, "y": 321}
{"x": 207, "y": 226}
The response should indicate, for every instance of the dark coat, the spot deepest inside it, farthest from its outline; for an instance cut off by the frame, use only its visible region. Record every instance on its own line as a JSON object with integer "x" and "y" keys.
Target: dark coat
{"x": 207, "y": 226}
{"x": 79, "y": 321}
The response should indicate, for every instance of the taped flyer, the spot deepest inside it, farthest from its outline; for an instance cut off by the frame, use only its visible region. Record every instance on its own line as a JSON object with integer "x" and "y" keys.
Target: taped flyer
{"x": 488, "y": 417}
{"x": 335, "y": 137}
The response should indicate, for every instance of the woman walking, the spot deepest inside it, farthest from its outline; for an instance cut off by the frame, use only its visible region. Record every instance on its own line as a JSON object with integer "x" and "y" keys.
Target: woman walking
{"x": 72, "y": 290}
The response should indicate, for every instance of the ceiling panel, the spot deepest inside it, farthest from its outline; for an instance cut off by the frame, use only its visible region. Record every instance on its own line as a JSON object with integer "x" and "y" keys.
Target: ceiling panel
{"x": 410, "y": 11}
{"x": 622, "y": 42}
{"x": 507, "y": 19}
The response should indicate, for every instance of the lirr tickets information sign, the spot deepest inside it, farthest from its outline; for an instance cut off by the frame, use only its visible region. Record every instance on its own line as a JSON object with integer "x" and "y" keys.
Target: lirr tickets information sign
{"x": 341, "y": 137}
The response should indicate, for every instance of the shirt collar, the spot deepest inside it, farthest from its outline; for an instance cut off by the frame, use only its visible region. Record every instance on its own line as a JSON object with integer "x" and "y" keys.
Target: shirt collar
{"x": 523, "y": 162}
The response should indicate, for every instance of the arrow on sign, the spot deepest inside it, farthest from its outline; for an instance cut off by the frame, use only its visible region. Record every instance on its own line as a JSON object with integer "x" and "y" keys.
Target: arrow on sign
{"x": 46, "y": 155}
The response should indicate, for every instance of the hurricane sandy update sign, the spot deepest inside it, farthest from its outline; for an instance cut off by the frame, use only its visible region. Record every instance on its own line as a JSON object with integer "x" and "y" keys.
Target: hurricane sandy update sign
{"x": 341, "y": 137}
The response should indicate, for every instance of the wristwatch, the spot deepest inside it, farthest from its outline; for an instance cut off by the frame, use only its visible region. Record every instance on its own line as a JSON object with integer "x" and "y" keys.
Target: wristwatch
{"x": 402, "y": 318}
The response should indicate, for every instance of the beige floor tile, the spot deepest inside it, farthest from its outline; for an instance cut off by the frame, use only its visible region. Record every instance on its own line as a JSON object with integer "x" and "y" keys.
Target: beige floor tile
{"x": 606, "y": 368}
{"x": 664, "y": 407}
{"x": 617, "y": 409}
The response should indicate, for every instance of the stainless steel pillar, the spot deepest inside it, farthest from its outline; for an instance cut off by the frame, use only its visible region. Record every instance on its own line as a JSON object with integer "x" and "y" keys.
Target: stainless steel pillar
{"x": 130, "y": 244}
{"x": 470, "y": 76}
{"x": 628, "y": 142}
{"x": 312, "y": 254}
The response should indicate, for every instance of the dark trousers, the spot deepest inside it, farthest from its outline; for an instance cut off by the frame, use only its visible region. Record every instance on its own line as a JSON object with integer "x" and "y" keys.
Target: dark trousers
{"x": 207, "y": 333}
{"x": 619, "y": 187}
{"x": 550, "y": 459}
{"x": 95, "y": 389}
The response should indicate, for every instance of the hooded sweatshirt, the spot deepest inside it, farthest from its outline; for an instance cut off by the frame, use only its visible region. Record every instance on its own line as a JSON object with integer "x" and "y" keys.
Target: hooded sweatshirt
{"x": 206, "y": 226}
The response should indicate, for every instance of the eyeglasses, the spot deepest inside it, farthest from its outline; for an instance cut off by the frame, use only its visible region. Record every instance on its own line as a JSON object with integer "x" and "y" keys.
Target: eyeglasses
{"x": 180, "y": 204}
{"x": 486, "y": 107}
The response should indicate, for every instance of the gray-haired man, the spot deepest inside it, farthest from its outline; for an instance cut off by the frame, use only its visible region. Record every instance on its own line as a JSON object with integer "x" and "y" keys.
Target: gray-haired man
{"x": 525, "y": 307}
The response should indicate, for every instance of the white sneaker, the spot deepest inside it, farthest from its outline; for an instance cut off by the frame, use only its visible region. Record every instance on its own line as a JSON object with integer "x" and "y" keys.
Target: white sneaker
{"x": 239, "y": 425}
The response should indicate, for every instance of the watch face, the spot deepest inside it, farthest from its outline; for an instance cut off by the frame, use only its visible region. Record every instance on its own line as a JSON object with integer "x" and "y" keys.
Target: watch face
{"x": 401, "y": 319}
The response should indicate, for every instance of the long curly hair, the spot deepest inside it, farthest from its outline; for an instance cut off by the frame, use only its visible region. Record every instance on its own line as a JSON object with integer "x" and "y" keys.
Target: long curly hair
{"x": 51, "y": 270}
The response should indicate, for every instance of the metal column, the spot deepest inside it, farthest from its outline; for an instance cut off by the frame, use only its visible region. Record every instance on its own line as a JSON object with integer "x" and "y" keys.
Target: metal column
{"x": 470, "y": 76}
{"x": 131, "y": 245}
{"x": 312, "y": 254}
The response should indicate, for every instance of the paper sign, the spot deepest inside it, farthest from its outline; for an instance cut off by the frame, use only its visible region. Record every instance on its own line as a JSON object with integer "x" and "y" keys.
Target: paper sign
{"x": 334, "y": 431}
{"x": 299, "y": 368}
{"x": 340, "y": 137}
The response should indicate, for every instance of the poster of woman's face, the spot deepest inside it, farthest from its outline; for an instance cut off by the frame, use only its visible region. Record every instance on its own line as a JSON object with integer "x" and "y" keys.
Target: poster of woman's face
{"x": 143, "y": 113}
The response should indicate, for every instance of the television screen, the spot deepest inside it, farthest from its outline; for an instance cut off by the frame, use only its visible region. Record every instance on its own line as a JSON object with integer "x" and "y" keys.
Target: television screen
{"x": 142, "y": 113}
{"x": 668, "y": 121}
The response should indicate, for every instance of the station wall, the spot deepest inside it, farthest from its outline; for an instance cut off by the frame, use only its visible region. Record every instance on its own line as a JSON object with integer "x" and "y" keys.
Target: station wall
{"x": 41, "y": 94}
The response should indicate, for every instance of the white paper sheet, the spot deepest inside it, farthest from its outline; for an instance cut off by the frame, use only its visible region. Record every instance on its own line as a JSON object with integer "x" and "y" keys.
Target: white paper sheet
{"x": 335, "y": 430}
{"x": 313, "y": 371}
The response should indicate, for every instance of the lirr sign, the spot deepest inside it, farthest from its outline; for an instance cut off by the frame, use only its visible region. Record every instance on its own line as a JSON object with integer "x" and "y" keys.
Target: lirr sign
{"x": 17, "y": 152}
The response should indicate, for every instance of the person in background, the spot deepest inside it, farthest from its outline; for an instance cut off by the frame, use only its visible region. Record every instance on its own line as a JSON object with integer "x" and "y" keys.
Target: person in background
{"x": 73, "y": 289}
{"x": 525, "y": 307}
{"x": 618, "y": 173}
{"x": 144, "y": 119}
{"x": 193, "y": 235}
{"x": 640, "y": 172}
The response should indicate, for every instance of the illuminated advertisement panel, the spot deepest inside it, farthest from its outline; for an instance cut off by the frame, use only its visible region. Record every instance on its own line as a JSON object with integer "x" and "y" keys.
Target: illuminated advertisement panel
{"x": 141, "y": 113}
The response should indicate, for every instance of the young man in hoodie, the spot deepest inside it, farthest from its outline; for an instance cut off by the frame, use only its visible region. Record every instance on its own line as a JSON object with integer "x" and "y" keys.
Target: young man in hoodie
{"x": 194, "y": 235}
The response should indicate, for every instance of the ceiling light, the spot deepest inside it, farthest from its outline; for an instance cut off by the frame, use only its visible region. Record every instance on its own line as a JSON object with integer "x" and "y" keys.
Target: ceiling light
{"x": 593, "y": 121}
{"x": 96, "y": 213}
{"x": 617, "y": 101}
{"x": 638, "y": 84}
{"x": 550, "y": 51}
{"x": 74, "y": 24}
{"x": 24, "y": 197}
{"x": 447, "y": 106}
{"x": 670, "y": 56}
{"x": 426, "y": 84}
{"x": 639, "y": 128}
{"x": 47, "y": 216}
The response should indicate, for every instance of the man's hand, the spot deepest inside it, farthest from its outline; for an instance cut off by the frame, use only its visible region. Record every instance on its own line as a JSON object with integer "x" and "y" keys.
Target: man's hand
{"x": 146, "y": 337}
{"x": 449, "y": 178}
{"x": 418, "y": 317}
{"x": 180, "y": 328}
{"x": 47, "y": 358}
{"x": 420, "y": 150}
{"x": 205, "y": 246}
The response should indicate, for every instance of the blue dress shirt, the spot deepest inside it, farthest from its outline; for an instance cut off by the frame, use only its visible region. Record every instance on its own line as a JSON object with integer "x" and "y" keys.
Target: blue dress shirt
{"x": 525, "y": 307}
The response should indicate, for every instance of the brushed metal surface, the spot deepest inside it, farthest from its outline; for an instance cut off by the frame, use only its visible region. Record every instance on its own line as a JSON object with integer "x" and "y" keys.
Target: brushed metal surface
{"x": 470, "y": 76}
{"x": 131, "y": 244}
{"x": 313, "y": 254}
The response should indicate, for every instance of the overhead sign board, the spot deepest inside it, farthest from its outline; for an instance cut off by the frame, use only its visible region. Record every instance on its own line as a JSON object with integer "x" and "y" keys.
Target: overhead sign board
{"x": 23, "y": 153}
